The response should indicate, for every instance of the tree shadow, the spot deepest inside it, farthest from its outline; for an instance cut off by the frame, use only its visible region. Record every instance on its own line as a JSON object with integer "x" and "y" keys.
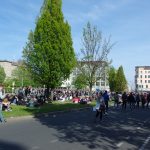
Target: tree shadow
{"x": 11, "y": 146}
{"x": 118, "y": 126}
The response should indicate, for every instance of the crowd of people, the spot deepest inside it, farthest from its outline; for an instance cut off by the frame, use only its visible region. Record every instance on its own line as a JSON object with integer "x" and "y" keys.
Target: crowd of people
{"x": 135, "y": 100}
{"x": 35, "y": 97}
{"x": 132, "y": 100}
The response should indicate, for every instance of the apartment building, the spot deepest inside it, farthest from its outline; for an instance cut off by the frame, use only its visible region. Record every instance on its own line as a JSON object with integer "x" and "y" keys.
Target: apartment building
{"x": 101, "y": 84}
{"x": 142, "y": 78}
{"x": 8, "y": 67}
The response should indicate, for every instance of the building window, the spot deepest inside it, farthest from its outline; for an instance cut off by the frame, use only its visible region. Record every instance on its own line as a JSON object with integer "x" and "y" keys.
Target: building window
{"x": 142, "y": 86}
{"x": 140, "y": 76}
{"x": 145, "y": 81}
{"x": 145, "y": 76}
{"x": 141, "y": 81}
{"x": 146, "y": 86}
{"x": 74, "y": 72}
{"x": 97, "y": 83}
{"x": 145, "y": 71}
{"x": 148, "y": 81}
{"x": 148, "y": 71}
{"x": 73, "y": 78}
{"x": 148, "y": 76}
{"x": 102, "y": 83}
{"x": 141, "y": 71}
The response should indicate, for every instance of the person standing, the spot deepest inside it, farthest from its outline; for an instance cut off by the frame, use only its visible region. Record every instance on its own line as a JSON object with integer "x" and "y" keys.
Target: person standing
{"x": 131, "y": 100}
{"x": 106, "y": 100}
{"x": 116, "y": 100}
{"x": 100, "y": 107}
{"x": 138, "y": 100}
{"x": 124, "y": 100}
{"x": 2, "y": 119}
{"x": 148, "y": 100}
{"x": 143, "y": 99}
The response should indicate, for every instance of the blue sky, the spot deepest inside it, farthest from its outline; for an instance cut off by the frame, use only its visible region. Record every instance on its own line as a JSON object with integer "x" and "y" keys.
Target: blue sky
{"x": 127, "y": 21}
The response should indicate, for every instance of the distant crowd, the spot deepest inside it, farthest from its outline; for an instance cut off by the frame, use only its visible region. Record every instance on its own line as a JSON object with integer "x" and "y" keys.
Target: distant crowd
{"x": 120, "y": 101}
{"x": 133, "y": 99}
{"x": 35, "y": 97}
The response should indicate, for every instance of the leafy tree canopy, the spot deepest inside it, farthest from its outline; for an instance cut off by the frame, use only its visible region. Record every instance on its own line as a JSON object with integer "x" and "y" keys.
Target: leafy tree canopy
{"x": 94, "y": 54}
{"x": 2, "y": 75}
{"x": 80, "y": 81}
{"x": 49, "y": 54}
{"x": 121, "y": 82}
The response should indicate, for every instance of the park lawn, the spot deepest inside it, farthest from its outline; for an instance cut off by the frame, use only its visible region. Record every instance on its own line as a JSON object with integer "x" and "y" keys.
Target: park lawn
{"x": 18, "y": 111}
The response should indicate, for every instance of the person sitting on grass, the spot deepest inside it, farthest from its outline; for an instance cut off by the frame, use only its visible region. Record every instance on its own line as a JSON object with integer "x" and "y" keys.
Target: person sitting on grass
{"x": 6, "y": 105}
{"x": 33, "y": 102}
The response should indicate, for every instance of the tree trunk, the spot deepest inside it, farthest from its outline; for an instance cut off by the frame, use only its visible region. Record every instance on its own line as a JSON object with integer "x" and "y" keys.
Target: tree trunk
{"x": 47, "y": 92}
{"x": 90, "y": 90}
{"x": 52, "y": 94}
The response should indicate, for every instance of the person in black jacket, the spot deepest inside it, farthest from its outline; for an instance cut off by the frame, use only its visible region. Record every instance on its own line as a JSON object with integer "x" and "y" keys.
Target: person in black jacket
{"x": 148, "y": 100}
{"x": 124, "y": 100}
{"x": 131, "y": 100}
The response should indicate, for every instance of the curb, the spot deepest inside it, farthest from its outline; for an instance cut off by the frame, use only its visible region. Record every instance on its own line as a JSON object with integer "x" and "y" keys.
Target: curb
{"x": 49, "y": 113}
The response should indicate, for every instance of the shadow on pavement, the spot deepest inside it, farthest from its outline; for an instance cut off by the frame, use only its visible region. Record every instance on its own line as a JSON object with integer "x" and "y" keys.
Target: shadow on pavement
{"x": 79, "y": 127}
{"x": 11, "y": 146}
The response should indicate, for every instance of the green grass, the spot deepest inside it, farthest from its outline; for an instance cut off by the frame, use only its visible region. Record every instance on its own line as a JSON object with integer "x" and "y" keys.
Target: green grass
{"x": 18, "y": 111}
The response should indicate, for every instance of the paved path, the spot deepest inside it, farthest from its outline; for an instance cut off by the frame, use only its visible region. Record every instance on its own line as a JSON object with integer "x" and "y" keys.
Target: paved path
{"x": 77, "y": 131}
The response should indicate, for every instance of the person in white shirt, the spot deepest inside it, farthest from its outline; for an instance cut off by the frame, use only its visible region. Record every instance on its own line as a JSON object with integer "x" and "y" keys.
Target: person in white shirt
{"x": 100, "y": 107}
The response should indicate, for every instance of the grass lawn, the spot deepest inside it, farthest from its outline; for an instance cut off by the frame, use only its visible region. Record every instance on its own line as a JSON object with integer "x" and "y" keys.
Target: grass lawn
{"x": 50, "y": 107}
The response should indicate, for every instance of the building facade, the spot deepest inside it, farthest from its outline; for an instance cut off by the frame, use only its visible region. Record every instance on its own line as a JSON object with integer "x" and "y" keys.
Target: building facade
{"x": 8, "y": 67}
{"x": 142, "y": 78}
{"x": 99, "y": 85}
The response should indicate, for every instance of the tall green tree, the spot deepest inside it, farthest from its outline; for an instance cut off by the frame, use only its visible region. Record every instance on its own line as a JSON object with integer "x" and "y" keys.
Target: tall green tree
{"x": 22, "y": 77}
{"x": 112, "y": 78}
{"x": 94, "y": 54}
{"x": 49, "y": 53}
{"x": 121, "y": 82}
{"x": 80, "y": 81}
{"x": 2, "y": 75}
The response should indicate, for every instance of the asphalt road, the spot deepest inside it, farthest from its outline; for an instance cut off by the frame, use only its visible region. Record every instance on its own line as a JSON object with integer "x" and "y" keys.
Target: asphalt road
{"x": 119, "y": 130}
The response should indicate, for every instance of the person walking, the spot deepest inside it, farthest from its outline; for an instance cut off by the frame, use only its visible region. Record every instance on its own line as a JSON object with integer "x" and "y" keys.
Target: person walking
{"x": 124, "y": 100}
{"x": 131, "y": 100}
{"x": 138, "y": 100}
{"x": 143, "y": 99}
{"x": 148, "y": 100}
{"x": 100, "y": 107}
{"x": 106, "y": 100}
{"x": 2, "y": 119}
{"x": 116, "y": 100}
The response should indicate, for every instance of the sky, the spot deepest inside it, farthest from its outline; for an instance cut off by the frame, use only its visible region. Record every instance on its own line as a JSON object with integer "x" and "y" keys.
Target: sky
{"x": 126, "y": 21}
